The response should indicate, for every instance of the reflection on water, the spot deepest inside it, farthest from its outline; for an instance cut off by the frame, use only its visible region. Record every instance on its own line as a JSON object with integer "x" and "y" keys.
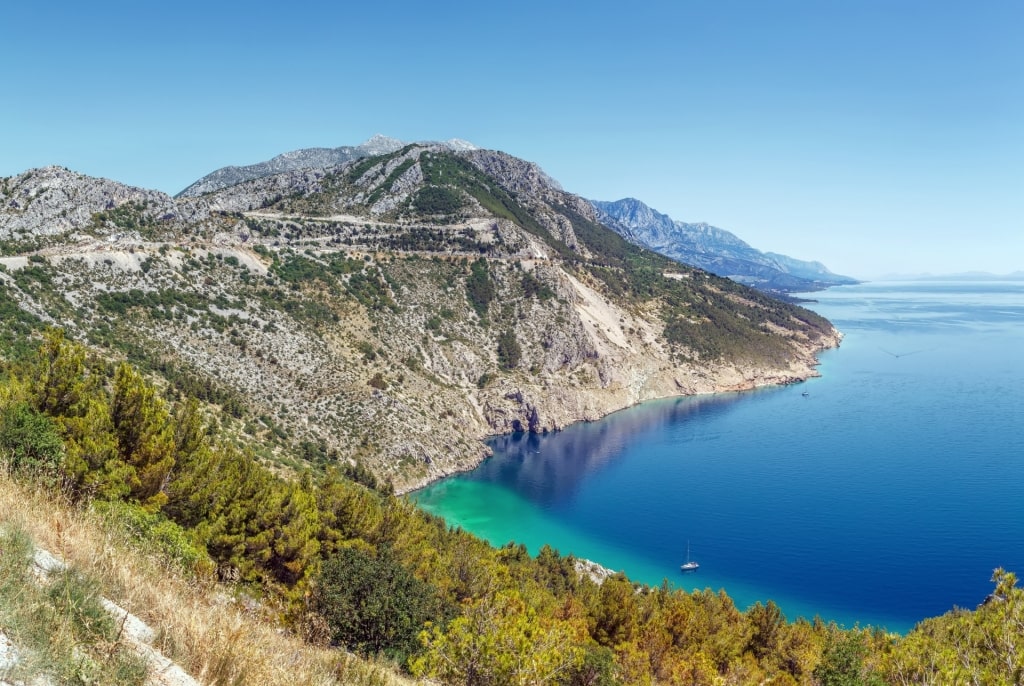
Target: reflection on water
{"x": 905, "y": 453}
{"x": 549, "y": 468}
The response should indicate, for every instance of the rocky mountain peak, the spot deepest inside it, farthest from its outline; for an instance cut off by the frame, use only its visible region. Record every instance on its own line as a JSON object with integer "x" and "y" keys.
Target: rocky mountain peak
{"x": 379, "y": 144}
{"x": 459, "y": 145}
{"x": 308, "y": 158}
{"x": 632, "y": 215}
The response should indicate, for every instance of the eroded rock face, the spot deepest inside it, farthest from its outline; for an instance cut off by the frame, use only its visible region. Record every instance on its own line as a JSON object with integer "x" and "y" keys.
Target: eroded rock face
{"x": 296, "y": 160}
{"x": 305, "y": 159}
{"x": 519, "y": 176}
{"x": 54, "y": 200}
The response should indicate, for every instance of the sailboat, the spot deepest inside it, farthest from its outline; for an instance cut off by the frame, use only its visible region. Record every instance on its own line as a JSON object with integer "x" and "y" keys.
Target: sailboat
{"x": 689, "y": 565}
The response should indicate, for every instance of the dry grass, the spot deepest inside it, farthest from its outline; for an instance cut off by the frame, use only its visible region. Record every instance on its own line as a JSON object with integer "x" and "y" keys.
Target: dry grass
{"x": 213, "y": 638}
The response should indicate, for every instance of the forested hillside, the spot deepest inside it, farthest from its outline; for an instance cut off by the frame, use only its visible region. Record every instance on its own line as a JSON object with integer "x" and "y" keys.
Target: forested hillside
{"x": 243, "y": 380}
{"x": 349, "y": 564}
{"x": 393, "y": 310}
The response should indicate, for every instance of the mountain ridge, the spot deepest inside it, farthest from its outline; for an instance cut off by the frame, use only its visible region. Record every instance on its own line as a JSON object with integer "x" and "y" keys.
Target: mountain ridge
{"x": 304, "y": 158}
{"x": 714, "y": 249}
{"x": 393, "y": 310}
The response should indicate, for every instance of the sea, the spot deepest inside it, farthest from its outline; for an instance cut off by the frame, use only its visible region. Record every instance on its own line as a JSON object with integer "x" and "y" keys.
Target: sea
{"x": 881, "y": 493}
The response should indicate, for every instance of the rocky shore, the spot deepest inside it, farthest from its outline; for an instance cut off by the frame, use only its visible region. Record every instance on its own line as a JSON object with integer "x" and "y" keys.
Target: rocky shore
{"x": 632, "y": 380}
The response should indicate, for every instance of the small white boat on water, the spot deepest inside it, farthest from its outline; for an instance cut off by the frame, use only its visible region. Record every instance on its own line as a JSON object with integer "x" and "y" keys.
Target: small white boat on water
{"x": 689, "y": 565}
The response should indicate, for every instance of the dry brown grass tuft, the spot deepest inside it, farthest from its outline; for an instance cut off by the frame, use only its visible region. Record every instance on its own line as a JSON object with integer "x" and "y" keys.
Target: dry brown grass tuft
{"x": 213, "y": 637}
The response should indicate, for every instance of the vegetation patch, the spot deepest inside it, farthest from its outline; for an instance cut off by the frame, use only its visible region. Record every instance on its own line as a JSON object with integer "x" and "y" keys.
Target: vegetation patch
{"x": 374, "y": 605}
{"x": 129, "y": 216}
{"x": 479, "y": 289}
{"x": 447, "y": 169}
{"x": 509, "y": 351}
{"x": 535, "y": 288}
{"x": 18, "y": 325}
{"x": 383, "y": 578}
{"x": 437, "y": 200}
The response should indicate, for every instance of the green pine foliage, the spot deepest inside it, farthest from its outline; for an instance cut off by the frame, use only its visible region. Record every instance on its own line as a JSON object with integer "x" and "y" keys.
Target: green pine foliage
{"x": 17, "y": 325}
{"x": 336, "y": 550}
{"x": 434, "y": 200}
{"x": 30, "y": 441}
{"x": 373, "y": 604}
{"x": 535, "y": 288}
{"x": 983, "y": 646}
{"x": 509, "y": 350}
{"x": 479, "y": 288}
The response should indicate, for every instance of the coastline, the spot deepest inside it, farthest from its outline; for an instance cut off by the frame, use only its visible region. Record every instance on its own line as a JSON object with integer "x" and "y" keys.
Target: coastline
{"x": 543, "y": 408}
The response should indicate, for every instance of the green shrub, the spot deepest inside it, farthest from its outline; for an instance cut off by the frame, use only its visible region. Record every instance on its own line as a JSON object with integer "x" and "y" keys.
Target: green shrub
{"x": 509, "y": 352}
{"x": 30, "y": 442}
{"x": 535, "y": 288}
{"x": 437, "y": 200}
{"x": 372, "y": 604}
{"x": 479, "y": 288}
{"x": 155, "y": 532}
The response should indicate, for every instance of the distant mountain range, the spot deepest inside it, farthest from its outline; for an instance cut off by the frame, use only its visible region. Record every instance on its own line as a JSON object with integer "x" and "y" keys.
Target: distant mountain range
{"x": 715, "y": 250}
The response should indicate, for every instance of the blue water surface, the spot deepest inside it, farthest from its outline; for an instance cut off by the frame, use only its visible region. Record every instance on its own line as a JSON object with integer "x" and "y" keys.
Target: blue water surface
{"x": 881, "y": 493}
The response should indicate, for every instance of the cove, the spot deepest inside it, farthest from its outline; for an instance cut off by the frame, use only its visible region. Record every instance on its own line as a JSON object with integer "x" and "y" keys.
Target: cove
{"x": 881, "y": 493}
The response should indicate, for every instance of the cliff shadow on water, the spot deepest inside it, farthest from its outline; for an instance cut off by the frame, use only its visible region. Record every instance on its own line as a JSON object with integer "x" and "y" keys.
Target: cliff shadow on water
{"x": 549, "y": 468}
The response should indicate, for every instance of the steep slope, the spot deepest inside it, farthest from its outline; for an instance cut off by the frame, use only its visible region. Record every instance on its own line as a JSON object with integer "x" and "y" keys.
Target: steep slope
{"x": 394, "y": 309}
{"x": 307, "y": 158}
{"x": 714, "y": 249}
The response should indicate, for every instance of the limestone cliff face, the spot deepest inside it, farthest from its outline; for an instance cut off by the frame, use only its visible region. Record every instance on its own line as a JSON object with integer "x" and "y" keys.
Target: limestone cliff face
{"x": 394, "y": 309}
{"x": 53, "y": 200}
{"x": 617, "y": 361}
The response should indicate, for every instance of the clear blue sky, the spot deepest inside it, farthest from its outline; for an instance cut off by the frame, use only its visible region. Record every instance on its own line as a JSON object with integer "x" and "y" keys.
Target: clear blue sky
{"x": 875, "y": 135}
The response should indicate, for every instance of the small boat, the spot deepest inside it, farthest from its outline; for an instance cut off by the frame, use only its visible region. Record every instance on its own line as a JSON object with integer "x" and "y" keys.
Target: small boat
{"x": 689, "y": 565}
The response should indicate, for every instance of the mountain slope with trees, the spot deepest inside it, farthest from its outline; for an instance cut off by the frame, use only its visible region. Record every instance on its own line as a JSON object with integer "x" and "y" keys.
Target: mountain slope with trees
{"x": 390, "y": 311}
{"x": 239, "y": 379}
{"x": 338, "y": 561}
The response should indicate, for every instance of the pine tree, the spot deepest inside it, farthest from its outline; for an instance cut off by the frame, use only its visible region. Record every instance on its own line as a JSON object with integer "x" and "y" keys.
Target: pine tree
{"x": 145, "y": 438}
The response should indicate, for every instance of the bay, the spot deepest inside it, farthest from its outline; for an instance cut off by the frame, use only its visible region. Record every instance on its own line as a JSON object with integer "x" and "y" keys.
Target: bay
{"x": 884, "y": 492}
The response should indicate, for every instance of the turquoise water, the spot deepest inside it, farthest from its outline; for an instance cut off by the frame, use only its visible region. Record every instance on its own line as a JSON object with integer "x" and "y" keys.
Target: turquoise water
{"x": 887, "y": 494}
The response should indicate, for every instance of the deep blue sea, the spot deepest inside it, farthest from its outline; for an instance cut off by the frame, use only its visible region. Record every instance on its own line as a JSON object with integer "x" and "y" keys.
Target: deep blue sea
{"x": 884, "y": 492}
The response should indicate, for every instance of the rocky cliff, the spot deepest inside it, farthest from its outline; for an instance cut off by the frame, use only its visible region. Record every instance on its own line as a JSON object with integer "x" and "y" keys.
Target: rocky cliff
{"x": 394, "y": 309}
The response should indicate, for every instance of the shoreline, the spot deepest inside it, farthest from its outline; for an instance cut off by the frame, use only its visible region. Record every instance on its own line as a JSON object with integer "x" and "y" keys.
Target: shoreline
{"x": 808, "y": 371}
